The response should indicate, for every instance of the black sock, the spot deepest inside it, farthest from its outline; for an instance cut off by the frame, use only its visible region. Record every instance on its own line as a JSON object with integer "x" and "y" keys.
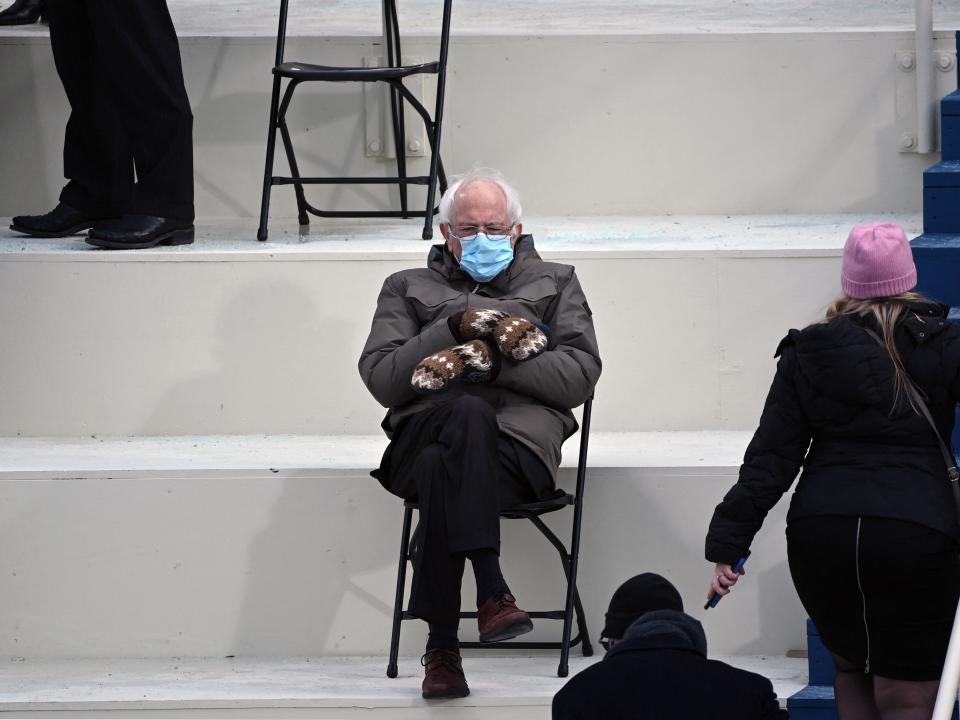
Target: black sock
{"x": 442, "y": 637}
{"x": 486, "y": 570}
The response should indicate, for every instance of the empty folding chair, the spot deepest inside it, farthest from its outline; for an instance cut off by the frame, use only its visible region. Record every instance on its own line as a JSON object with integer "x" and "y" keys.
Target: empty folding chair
{"x": 393, "y": 74}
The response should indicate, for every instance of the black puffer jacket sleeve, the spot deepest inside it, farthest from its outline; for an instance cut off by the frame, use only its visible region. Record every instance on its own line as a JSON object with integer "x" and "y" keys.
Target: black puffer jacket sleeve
{"x": 770, "y": 465}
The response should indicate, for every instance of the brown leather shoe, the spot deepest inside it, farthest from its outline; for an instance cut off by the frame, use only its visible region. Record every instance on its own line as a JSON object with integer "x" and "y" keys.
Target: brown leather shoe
{"x": 444, "y": 676}
{"x": 499, "y": 619}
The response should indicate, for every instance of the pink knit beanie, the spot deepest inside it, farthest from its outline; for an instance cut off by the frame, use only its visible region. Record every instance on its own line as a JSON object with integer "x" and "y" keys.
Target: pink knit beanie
{"x": 877, "y": 262}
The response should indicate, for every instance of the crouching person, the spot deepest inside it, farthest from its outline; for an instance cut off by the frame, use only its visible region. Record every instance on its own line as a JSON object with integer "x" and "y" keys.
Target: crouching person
{"x": 656, "y": 667}
{"x": 479, "y": 357}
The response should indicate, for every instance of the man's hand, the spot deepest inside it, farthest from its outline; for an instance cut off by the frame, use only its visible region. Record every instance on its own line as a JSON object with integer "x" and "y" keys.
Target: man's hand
{"x": 516, "y": 338}
{"x": 472, "y": 362}
{"x": 475, "y": 323}
{"x": 520, "y": 339}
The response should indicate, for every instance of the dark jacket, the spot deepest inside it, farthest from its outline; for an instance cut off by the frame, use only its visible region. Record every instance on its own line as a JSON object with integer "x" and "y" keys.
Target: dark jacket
{"x": 660, "y": 671}
{"x": 533, "y": 399}
{"x": 833, "y": 393}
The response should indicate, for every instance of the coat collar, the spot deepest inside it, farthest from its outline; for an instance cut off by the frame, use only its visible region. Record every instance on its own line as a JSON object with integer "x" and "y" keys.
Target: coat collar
{"x": 922, "y": 320}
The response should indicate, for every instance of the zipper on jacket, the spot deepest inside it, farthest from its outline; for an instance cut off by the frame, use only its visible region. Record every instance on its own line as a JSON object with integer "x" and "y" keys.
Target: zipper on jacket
{"x": 863, "y": 597}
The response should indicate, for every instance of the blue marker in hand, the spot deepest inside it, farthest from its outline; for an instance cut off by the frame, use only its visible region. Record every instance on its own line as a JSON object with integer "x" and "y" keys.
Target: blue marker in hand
{"x": 715, "y": 598}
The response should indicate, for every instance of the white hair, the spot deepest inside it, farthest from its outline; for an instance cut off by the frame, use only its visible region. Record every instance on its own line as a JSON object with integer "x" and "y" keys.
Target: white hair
{"x": 514, "y": 209}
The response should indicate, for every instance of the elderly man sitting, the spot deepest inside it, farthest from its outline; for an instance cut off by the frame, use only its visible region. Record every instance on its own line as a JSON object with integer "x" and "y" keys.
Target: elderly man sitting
{"x": 479, "y": 357}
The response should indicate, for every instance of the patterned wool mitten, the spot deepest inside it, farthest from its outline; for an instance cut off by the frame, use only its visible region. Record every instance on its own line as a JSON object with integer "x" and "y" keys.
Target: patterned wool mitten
{"x": 520, "y": 339}
{"x": 474, "y": 361}
{"x": 474, "y": 323}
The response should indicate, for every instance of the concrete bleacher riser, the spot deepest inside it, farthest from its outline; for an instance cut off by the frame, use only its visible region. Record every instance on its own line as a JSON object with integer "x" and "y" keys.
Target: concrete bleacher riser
{"x": 638, "y": 124}
{"x": 303, "y": 563}
{"x": 108, "y": 346}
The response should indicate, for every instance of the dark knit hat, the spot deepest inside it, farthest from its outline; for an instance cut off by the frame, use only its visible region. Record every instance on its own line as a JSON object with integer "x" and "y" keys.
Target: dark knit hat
{"x": 638, "y": 595}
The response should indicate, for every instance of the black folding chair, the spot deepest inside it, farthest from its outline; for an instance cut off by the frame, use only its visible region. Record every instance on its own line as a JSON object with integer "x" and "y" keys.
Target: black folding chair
{"x": 393, "y": 74}
{"x": 570, "y": 562}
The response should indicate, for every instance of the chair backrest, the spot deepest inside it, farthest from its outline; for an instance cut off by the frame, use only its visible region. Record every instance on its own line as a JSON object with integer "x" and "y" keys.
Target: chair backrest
{"x": 391, "y": 31}
{"x": 282, "y": 30}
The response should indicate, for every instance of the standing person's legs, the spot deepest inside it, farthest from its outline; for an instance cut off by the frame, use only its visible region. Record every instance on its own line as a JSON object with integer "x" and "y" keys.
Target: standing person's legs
{"x": 854, "y": 691}
{"x": 905, "y": 700}
{"x": 140, "y": 58}
{"x": 911, "y": 577}
{"x": 97, "y": 159}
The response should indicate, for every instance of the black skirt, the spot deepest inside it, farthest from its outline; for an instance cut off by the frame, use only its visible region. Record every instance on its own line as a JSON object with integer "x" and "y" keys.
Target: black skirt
{"x": 882, "y": 592}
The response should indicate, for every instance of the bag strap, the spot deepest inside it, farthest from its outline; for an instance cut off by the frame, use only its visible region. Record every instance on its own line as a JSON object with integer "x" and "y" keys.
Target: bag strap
{"x": 953, "y": 474}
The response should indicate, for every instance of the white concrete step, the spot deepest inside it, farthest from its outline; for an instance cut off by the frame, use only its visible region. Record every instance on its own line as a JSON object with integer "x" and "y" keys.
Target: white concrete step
{"x": 507, "y": 687}
{"x": 599, "y": 113}
{"x": 232, "y": 336}
{"x": 543, "y": 17}
{"x": 284, "y": 546}
{"x": 266, "y": 456}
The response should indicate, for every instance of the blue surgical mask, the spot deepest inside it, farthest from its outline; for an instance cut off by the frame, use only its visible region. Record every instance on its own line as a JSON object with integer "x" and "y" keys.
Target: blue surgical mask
{"x": 483, "y": 256}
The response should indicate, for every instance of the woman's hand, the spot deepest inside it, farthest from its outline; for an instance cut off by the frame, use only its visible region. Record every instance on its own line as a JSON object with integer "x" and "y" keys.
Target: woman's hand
{"x": 724, "y": 578}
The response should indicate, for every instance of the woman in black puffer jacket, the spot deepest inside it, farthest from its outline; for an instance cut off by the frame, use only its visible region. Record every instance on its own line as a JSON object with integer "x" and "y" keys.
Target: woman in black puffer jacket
{"x": 872, "y": 532}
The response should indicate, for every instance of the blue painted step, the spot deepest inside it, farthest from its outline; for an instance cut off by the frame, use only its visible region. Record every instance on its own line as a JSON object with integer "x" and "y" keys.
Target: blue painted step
{"x": 941, "y": 183}
{"x": 950, "y": 121}
{"x": 941, "y": 198}
{"x": 950, "y": 127}
{"x": 814, "y": 702}
{"x": 937, "y": 251}
{"x": 937, "y": 256}
{"x": 819, "y": 663}
{"x": 938, "y": 269}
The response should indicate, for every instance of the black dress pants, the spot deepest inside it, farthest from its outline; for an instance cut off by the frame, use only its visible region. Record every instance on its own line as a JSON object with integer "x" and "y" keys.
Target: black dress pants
{"x": 454, "y": 462}
{"x": 119, "y": 62}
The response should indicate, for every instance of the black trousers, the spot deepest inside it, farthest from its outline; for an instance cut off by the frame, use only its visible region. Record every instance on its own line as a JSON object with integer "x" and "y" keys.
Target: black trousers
{"x": 119, "y": 62}
{"x": 462, "y": 471}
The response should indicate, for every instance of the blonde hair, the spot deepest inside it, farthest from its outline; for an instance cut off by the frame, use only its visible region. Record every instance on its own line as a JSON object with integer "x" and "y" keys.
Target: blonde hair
{"x": 888, "y": 311}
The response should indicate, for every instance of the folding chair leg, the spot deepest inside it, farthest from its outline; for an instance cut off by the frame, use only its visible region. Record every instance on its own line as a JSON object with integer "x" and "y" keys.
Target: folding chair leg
{"x": 400, "y": 145}
{"x": 291, "y": 157}
{"x": 572, "y": 597}
{"x": 268, "y": 171}
{"x": 437, "y": 125}
{"x": 398, "y": 599}
{"x": 585, "y": 645}
{"x": 563, "y": 669}
{"x": 395, "y": 59}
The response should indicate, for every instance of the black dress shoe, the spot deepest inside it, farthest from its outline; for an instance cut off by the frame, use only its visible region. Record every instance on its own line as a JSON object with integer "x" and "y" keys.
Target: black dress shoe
{"x": 22, "y": 12}
{"x": 63, "y": 220}
{"x": 141, "y": 231}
